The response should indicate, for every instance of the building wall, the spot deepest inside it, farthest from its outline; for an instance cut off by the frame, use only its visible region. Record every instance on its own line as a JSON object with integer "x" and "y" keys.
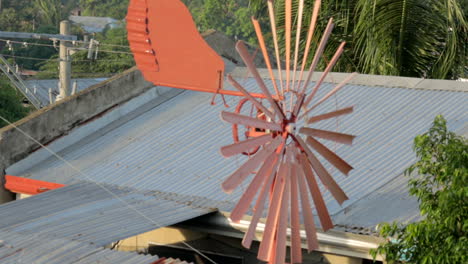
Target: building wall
{"x": 58, "y": 119}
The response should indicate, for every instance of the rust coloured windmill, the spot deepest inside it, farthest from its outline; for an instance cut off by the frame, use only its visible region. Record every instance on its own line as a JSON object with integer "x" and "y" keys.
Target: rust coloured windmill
{"x": 165, "y": 42}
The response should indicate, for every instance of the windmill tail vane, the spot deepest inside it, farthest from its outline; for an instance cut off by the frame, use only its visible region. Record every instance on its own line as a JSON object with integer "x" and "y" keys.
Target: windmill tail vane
{"x": 281, "y": 146}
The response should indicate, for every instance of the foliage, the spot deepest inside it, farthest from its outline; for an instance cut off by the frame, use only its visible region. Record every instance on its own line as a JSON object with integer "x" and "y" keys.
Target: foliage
{"x": 416, "y": 38}
{"x": 17, "y": 15}
{"x": 424, "y": 38}
{"x": 104, "y": 8}
{"x": 107, "y": 63}
{"x": 231, "y": 17}
{"x": 442, "y": 190}
{"x": 51, "y": 12}
{"x": 11, "y": 107}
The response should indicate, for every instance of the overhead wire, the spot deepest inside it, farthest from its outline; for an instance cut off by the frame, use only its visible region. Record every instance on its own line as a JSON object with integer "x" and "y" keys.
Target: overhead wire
{"x": 89, "y": 178}
{"x": 57, "y": 59}
{"x": 55, "y": 46}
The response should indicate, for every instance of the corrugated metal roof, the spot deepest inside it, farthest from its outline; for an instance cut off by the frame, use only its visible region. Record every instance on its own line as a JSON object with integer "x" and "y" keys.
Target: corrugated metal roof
{"x": 41, "y": 87}
{"x": 89, "y": 213}
{"x": 93, "y": 24}
{"x": 389, "y": 203}
{"x": 27, "y": 248}
{"x": 174, "y": 147}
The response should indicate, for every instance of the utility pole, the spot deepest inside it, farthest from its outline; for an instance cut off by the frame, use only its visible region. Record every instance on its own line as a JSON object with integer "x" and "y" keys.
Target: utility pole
{"x": 65, "y": 63}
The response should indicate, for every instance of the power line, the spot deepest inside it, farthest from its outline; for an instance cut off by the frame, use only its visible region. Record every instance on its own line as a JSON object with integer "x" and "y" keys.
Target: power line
{"x": 55, "y": 46}
{"x": 55, "y": 59}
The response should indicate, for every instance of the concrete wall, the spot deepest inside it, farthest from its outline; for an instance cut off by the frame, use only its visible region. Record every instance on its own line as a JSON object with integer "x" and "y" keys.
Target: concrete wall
{"x": 56, "y": 120}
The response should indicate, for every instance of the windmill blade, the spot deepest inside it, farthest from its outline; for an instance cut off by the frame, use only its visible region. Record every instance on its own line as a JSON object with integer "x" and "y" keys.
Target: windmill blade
{"x": 298, "y": 105}
{"x": 320, "y": 205}
{"x": 296, "y": 250}
{"x": 329, "y": 155}
{"x": 328, "y": 135}
{"x": 310, "y": 34}
{"x": 239, "y": 119}
{"x": 261, "y": 41}
{"x": 340, "y": 112}
{"x": 323, "y": 174}
{"x": 288, "y": 17}
{"x": 244, "y": 146}
{"x": 271, "y": 13}
{"x": 244, "y": 53}
{"x": 331, "y": 93}
{"x": 264, "y": 252}
{"x": 242, "y": 172}
{"x": 330, "y": 65}
{"x": 280, "y": 252}
{"x": 268, "y": 168}
{"x": 259, "y": 207}
{"x": 300, "y": 13}
{"x": 250, "y": 97}
{"x": 309, "y": 223}
{"x": 319, "y": 52}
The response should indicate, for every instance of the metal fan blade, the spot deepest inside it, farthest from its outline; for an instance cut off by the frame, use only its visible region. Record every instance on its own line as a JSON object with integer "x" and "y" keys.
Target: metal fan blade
{"x": 261, "y": 41}
{"x": 331, "y": 93}
{"x": 320, "y": 206}
{"x": 296, "y": 250}
{"x": 328, "y": 135}
{"x": 300, "y": 13}
{"x": 264, "y": 252}
{"x": 250, "y": 97}
{"x": 309, "y": 223}
{"x": 340, "y": 112}
{"x": 258, "y": 209}
{"x": 241, "y": 173}
{"x": 288, "y": 17}
{"x": 298, "y": 105}
{"x": 244, "y": 53}
{"x": 319, "y": 52}
{"x": 234, "y": 118}
{"x": 329, "y": 155}
{"x": 244, "y": 146}
{"x": 310, "y": 34}
{"x": 323, "y": 174}
{"x": 282, "y": 227}
{"x": 330, "y": 65}
{"x": 271, "y": 12}
{"x": 268, "y": 168}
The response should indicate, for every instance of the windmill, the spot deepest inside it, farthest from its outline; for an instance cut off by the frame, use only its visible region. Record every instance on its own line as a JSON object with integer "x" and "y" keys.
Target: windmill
{"x": 166, "y": 43}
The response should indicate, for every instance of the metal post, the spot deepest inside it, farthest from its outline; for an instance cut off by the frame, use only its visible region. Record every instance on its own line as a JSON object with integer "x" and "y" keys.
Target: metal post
{"x": 75, "y": 87}
{"x": 65, "y": 63}
{"x": 51, "y": 98}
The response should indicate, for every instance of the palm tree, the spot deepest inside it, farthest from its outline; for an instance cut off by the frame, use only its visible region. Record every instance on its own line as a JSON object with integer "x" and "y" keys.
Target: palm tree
{"x": 417, "y": 38}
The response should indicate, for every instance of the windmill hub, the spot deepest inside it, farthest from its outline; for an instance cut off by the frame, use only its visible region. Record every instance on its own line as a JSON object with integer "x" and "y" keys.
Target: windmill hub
{"x": 291, "y": 128}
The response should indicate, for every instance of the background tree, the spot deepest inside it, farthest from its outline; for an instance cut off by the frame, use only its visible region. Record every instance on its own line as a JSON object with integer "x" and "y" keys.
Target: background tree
{"x": 416, "y": 38}
{"x": 231, "y": 17}
{"x": 11, "y": 106}
{"x": 104, "y": 8}
{"x": 51, "y": 11}
{"x": 442, "y": 190}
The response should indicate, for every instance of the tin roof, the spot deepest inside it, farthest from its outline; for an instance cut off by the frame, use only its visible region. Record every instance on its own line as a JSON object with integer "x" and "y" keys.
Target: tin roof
{"x": 172, "y": 147}
{"x": 25, "y": 248}
{"x": 40, "y": 88}
{"x": 97, "y": 214}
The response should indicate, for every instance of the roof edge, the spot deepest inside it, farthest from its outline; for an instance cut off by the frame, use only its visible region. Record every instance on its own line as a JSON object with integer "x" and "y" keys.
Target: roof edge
{"x": 373, "y": 80}
{"x": 332, "y": 241}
